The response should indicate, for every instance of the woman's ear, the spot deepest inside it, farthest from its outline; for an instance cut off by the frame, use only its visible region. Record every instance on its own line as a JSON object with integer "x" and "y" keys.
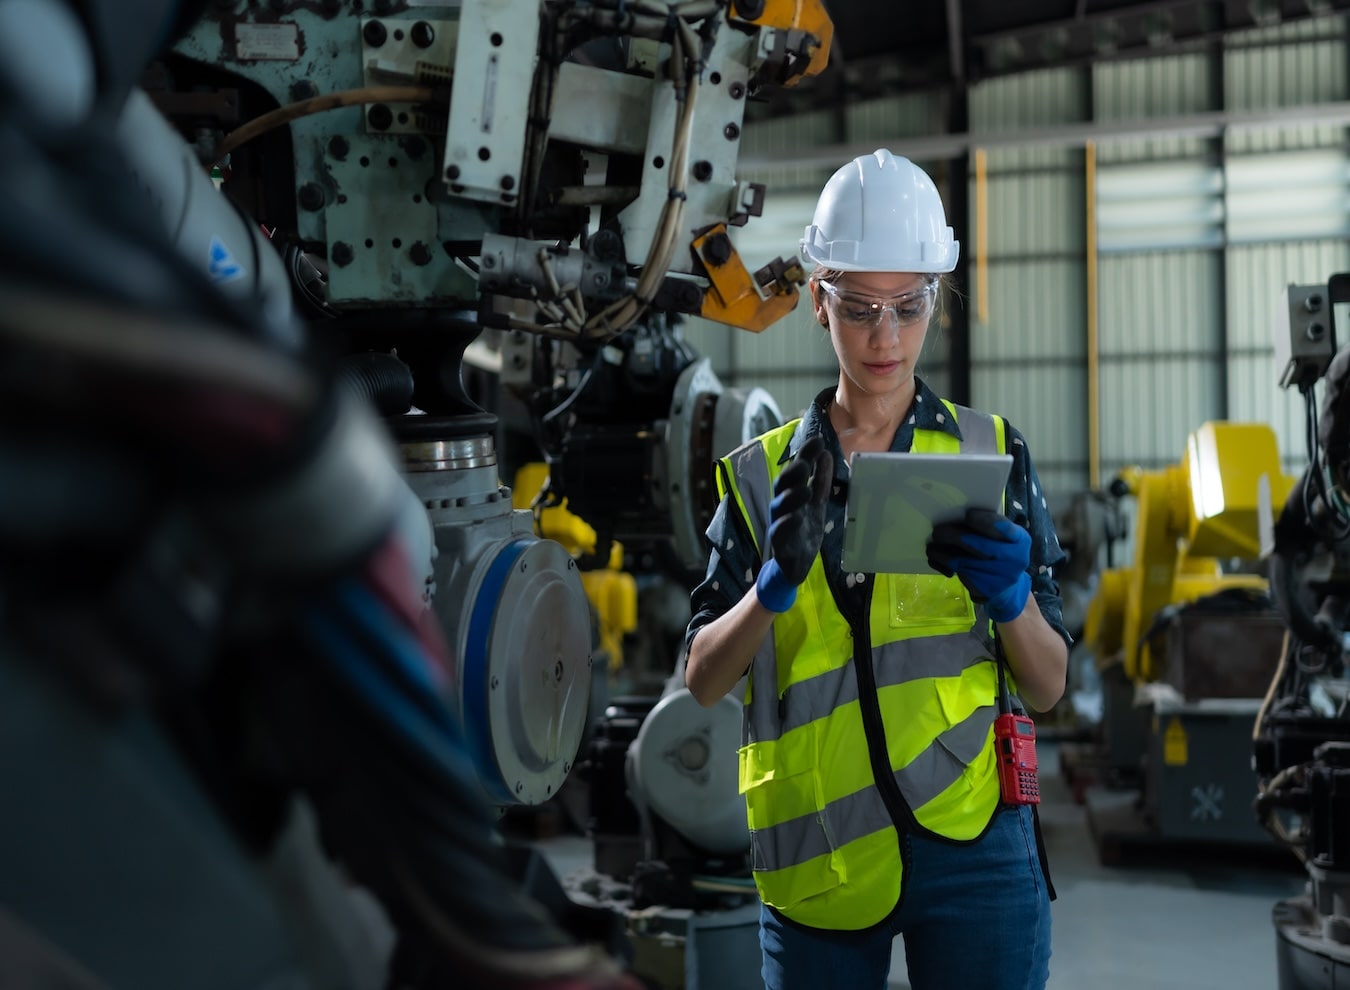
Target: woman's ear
{"x": 818, "y": 302}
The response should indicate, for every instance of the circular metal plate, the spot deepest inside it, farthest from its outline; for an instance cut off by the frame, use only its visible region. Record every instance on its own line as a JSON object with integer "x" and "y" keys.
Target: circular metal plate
{"x": 536, "y": 658}
{"x": 685, "y": 765}
{"x": 681, "y": 441}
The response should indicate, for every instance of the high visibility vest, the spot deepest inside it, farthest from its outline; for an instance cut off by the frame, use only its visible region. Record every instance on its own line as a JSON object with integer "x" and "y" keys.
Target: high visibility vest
{"x": 822, "y": 807}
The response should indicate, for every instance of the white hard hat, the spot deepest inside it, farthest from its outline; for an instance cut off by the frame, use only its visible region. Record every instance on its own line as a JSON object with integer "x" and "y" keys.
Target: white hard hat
{"x": 880, "y": 213}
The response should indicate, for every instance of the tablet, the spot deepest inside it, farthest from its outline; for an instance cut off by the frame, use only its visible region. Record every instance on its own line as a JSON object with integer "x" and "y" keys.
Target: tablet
{"x": 895, "y": 500}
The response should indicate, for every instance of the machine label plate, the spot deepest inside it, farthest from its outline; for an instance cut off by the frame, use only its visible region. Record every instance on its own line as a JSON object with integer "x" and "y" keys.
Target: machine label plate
{"x": 255, "y": 42}
{"x": 1175, "y": 744}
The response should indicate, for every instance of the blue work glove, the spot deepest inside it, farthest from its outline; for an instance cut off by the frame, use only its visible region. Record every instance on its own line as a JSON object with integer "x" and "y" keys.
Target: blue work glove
{"x": 797, "y": 524}
{"x": 990, "y": 554}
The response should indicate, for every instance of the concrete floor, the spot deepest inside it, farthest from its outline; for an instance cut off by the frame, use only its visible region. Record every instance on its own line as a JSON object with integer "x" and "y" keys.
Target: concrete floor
{"x": 1158, "y": 921}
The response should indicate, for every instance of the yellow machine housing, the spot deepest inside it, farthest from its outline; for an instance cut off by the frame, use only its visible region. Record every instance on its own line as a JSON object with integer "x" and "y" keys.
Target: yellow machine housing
{"x": 611, "y": 591}
{"x": 1191, "y": 518}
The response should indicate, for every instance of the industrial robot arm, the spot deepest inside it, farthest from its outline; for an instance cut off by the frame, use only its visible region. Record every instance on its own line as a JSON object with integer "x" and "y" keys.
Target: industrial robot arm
{"x": 1302, "y": 733}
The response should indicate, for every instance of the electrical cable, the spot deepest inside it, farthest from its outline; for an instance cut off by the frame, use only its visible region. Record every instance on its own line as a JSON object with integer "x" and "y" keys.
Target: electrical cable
{"x": 1340, "y": 523}
{"x": 181, "y": 349}
{"x": 620, "y": 315}
{"x": 549, "y": 418}
{"x": 1290, "y": 643}
{"x": 318, "y": 104}
{"x": 386, "y": 671}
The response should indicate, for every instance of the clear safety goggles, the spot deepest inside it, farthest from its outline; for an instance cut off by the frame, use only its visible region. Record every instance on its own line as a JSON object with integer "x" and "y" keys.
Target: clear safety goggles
{"x": 867, "y": 312}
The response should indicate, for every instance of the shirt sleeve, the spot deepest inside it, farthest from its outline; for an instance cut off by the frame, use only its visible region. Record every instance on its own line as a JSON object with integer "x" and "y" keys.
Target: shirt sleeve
{"x": 1026, "y": 506}
{"x": 733, "y": 563}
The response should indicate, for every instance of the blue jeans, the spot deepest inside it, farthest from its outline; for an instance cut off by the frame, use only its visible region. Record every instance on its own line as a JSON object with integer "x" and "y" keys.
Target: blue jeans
{"x": 974, "y": 916}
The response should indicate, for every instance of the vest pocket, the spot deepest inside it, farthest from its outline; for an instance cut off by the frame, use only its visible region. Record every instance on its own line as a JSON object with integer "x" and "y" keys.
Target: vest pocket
{"x": 791, "y": 852}
{"x": 928, "y": 604}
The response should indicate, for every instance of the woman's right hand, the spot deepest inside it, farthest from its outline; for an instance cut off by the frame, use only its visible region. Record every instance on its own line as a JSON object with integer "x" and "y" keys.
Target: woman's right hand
{"x": 797, "y": 524}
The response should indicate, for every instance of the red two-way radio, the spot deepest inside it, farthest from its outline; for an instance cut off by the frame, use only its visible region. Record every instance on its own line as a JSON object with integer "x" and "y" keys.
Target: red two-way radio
{"x": 1015, "y": 743}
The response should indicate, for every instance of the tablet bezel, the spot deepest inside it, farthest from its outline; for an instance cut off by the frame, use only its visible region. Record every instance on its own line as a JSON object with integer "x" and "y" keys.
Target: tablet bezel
{"x": 891, "y": 509}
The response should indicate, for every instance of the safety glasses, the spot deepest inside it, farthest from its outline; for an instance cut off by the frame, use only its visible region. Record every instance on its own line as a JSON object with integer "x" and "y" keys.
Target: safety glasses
{"x": 867, "y": 312}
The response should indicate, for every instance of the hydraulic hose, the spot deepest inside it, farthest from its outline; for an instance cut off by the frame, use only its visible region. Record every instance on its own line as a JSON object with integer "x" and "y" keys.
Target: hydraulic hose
{"x": 382, "y": 378}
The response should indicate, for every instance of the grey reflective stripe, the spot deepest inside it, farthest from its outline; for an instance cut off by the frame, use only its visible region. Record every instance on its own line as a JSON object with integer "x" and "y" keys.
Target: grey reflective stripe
{"x": 863, "y": 812}
{"x": 789, "y": 843}
{"x": 762, "y": 710}
{"x": 941, "y": 764}
{"x": 750, "y": 473}
{"x": 894, "y": 663}
{"x": 979, "y": 432}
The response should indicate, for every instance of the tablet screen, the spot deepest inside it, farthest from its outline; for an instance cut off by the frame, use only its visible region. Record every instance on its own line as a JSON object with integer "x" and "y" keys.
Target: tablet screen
{"x": 895, "y": 500}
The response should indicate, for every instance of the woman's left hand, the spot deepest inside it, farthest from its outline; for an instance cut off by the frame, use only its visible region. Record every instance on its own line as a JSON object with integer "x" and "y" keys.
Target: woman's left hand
{"x": 990, "y": 554}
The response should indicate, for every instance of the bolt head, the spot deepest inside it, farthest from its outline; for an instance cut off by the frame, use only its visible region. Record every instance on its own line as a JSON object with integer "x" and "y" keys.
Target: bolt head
{"x": 375, "y": 33}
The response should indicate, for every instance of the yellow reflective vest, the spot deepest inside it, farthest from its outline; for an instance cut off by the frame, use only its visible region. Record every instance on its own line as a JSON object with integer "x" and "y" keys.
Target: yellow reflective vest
{"x": 823, "y": 801}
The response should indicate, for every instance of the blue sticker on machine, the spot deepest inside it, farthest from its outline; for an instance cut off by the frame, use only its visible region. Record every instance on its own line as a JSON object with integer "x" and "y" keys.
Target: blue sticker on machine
{"x": 222, "y": 267}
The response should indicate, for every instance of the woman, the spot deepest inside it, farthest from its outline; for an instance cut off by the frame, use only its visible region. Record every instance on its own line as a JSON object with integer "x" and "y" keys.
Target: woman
{"x": 868, "y": 766}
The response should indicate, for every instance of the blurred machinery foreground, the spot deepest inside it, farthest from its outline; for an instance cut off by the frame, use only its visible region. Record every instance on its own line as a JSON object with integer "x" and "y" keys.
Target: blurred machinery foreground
{"x": 312, "y": 638}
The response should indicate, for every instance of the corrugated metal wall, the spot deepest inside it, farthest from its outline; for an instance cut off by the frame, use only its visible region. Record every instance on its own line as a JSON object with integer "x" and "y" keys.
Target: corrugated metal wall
{"x": 1158, "y": 222}
{"x": 1027, "y": 337}
{"x": 1196, "y": 237}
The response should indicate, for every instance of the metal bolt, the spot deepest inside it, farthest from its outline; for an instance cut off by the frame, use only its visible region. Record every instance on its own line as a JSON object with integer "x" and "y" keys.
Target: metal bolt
{"x": 484, "y": 153}
{"x": 703, "y": 170}
{"x": 422, "y": 34}
{"x": 310, "y": 196}
{"x": 452, "y": 171}
{"x": 558, "y": 671}
{"x": 489, "y": 261}
{"x": 731, "y": 132}
{"x": 375, "y": 34}
{"x": 736, "y": 90}
{"x": 342, "y": 254}
{"x": 380, "y": 117}
{"x": 519, "y": 787}
{"x": 338, "y": 147}
{"x": 495, "y": 682}
{"x": 717, "y": 250}
{"x": 420, "y": 254}
{"x": 303, "y": 89}
{"x": 508, "y": 182}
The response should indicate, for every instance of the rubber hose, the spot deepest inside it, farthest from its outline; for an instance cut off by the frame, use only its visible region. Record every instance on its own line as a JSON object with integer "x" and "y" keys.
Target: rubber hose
{"x": 382, "y": 378}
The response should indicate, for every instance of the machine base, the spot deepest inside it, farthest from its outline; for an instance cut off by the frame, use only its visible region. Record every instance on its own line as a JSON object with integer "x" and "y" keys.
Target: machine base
{"x": 681, "y": 948}
{"x": 1122, "y": 831}
{"x": 1306, "y": 959}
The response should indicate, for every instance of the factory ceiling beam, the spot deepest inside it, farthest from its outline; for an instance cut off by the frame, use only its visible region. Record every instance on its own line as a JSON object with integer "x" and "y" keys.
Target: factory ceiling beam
{"x": 942, "y": 146}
